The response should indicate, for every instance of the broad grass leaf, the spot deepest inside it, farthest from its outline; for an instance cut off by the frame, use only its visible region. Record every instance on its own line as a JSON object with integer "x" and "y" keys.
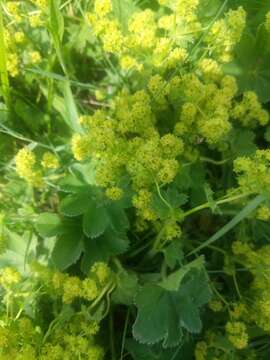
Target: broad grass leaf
{"x": 71, "y": 113}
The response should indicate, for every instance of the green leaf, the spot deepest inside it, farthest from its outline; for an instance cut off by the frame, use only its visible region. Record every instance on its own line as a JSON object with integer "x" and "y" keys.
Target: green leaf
{"x": 30, "y": 115}
{"x": 20, "y": 250}
{"x": 70, "y": 108}
{"x": 139, "y": 351}
{"x": 123, "y": 9}
{"x": 102, "y": 248}
{"x": 172, "y": 312}
{"x": 56, "y": 20}
{"x": 95, "y": 220}
{"x": 173, "y": 254}
{"x": 48, "y": 225}
{"x": 173, "y": 281}
{"x": 71, "y": 184}
{"x": 56, "y": 27}
{"x": 173, "y": 199}
{"x": 242, "y": 142}
{"x": 67, "y": 250}
{"x": 75, "y": 204}
{"x": 251, "y": 65}
{"x": 126, "y": 288}
{"x": 117, "y": 217}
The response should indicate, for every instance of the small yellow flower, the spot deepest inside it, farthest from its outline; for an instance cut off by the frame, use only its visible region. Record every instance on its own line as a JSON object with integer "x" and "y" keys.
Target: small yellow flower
{"x": 19, "y": 37}
{"x": 35, "y": 57}
{"x": 35, "y": 20}
{"x": 114, "y": 193}
{"x": 201, "y": 350}
{"x": 215, "y": 305}
{"x": 102, "y": 272}
{"x": 237, "y": 334}
{"x": 9, "y": 276}
{"x": 49, "y": 161}
{"x": 13, "y": 64}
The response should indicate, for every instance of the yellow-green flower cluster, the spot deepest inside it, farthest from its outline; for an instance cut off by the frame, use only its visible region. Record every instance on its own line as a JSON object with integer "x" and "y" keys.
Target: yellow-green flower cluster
{"x": 200, "y": 350}
{"x": 215, "y": 305}
{"x": 70, "y": 288}
{"x": 21, "y": 339}
{"x": 9, "y": 277}
{"x": 249, "y": 111}
{"x": 237, "y": 334}
{"x": 257, "y": 261}
{"x": 18, "y": 17}
{"x": 146, "y": 156}
{"x": 206, "y": 110}
{"x": 225, "y": 34}
{"x": 14, "y": 10}
{"x": 253, "y": 173}
{"x": 263, "y": 213}
{"x": 26, "y": 167}
{"x": 49, "y": 161}
{"x": 13, "y": 64}
{"x": 41, "y": 3}
{"x": 129, "y": 139}
{"x": 150, "y": 130}
{"x": 210, "y": 69}
{"x": 140, "y": 46}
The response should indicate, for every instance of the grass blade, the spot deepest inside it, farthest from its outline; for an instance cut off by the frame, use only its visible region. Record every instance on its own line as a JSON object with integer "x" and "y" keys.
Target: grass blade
{"x": 3, "y": 63}
{"x": 251, "y": 206}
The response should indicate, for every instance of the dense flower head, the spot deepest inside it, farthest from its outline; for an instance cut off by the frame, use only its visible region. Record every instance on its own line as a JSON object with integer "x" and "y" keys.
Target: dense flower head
{"x": 26, "y": 167}
{"x": 249, "y": 111}
{"x": 201, "y": 350}
{"x": 253, "y": 173}
{"x": 226, "y": 33}
{"x": 237, "y": 334}
{"x": 263, "y": 213}
{"x": 49, "y": 161}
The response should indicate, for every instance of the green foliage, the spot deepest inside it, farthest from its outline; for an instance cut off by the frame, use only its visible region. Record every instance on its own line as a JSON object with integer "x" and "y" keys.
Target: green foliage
{"x": 134, "y": 179}
{"x": 175, "y": 309}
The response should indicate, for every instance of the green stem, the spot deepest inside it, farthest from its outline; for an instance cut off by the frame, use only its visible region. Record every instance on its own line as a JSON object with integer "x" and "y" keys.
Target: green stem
{"x": 214, "y": 162}
{"x": 103, "y": 292}
{"x": 219, "y": 202}
{"x": 113, "y": 356}
{"x": 3, "y": 63}
{"x": 236, "y": 286}
{"x": 162, "y": 198}
{"x": 251, "y": 206}
{"x": 124, "y": 334}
